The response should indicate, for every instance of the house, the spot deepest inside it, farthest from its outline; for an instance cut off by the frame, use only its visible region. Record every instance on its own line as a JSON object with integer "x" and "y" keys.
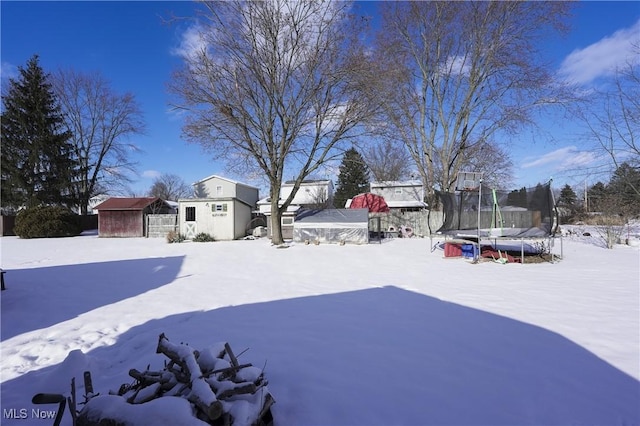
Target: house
{"x": 401, "y": 196}
{"x": 222, "y": 208}
{"x": 312, "y": 194}
{"x": 125, "y": 217}
{"x": 215, "y": 186}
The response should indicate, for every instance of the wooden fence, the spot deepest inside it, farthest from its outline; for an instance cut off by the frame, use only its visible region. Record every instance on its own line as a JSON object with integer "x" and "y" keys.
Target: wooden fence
{"x": 421, "y": 222}
{"x": 159, "y": 225}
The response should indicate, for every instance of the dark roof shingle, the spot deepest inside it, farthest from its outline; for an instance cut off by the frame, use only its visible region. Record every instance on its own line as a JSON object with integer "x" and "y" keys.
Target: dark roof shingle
{"x": 117, "y": 203}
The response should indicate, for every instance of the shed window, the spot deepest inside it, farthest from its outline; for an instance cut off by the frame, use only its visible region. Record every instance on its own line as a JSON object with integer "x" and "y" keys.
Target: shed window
{"x": 219, "y": 191}
{"x": 287, "y": 221}
{"x": 190, "y": 214}
{"x": 220, "y": 207}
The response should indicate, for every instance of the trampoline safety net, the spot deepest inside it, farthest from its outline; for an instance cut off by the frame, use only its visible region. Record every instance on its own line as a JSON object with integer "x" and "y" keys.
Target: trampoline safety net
{"x": 487, "y": 212}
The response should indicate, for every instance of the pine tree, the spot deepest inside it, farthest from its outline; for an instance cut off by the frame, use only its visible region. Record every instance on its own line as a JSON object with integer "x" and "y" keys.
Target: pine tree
{"x": 353, "y": 178}
{"x": 37, "y": 161}
{"x": 538, "y": 198}
{"x": 568, "y": 197}
{"x": 625, "y": 186}
{"x": 518, "y": 197}
{"x": 596, "y": 196}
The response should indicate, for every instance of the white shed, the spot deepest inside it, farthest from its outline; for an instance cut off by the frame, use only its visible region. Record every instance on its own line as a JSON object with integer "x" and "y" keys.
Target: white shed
{"x": 222, "y": 218}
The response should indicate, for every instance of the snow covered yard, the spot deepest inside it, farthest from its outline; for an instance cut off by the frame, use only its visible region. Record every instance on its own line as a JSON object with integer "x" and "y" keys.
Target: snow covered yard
{"x": 378, "y": 334}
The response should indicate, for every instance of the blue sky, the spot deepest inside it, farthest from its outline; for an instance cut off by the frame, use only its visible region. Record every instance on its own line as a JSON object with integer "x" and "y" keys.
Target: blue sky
{"x": 133, "y": 46}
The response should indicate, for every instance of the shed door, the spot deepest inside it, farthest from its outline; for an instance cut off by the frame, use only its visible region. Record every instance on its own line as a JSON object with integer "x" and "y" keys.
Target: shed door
{"x": 190, "y": 229}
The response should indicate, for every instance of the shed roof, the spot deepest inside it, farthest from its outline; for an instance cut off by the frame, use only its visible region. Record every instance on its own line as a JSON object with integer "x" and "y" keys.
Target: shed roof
{"x": 117, "y": 203}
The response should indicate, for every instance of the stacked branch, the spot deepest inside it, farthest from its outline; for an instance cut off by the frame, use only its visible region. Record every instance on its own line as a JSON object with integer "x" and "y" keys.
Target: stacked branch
{"x": 219, "y": 388}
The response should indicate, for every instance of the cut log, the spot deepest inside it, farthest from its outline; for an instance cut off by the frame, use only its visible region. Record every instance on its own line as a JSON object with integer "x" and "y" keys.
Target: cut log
{"x": 204, "y": 398}
{"x": 228, "y": 371}
{"x": 238, "y": 390}
{"x": 201, "y": 393}
{"x": 232, "y": 357}
{"x": 146, "y": 394}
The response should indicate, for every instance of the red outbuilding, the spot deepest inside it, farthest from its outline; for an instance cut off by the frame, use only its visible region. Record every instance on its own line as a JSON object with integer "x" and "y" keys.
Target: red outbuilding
{"x": 125, "y": 217}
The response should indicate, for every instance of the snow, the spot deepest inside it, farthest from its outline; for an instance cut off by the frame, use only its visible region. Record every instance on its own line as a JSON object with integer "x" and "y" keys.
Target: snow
{"x": 375, "y": 334}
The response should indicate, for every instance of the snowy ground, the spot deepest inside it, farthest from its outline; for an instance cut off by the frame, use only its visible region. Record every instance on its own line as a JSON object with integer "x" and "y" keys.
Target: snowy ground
{"x": 378, "y": 334}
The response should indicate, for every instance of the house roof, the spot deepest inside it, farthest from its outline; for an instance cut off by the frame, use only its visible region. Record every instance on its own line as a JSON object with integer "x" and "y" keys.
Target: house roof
{"x": 395, "y": 183}
{"x": 137, "y": 203}
{"x": 222, "y": 178}
{"x": 406, "y": 204}
{"x": 264, "y": 206}
{"x": 308, "y": 182}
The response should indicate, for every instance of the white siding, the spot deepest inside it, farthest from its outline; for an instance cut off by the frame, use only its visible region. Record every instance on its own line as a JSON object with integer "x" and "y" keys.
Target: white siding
{"x": 396, "y": 191}
{"x": 219, "y": 223}
{"x": 216, "y": 187}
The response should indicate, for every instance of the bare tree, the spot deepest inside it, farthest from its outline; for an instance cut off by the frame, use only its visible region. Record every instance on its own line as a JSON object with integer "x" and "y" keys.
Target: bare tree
{"x": 101, "y": 122}
{"x": 320, "y": 199}
{"x": 170, "y": 187}
{"x": 493, "y": 161}
{"x": 388, "y": 160}
{"x": 273, "y": 86}
{"x": 456, "y": 76}
{"x": 612, "y": 117}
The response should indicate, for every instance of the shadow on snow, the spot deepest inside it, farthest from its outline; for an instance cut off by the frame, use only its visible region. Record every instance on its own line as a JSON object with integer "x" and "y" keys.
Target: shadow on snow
{"x": 408, "y": 358}
{"x": 29, "y": 303}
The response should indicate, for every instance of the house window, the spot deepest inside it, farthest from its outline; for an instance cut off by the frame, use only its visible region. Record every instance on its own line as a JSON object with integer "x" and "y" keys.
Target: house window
{"x": 219, "y": 191}
{"x": 220, "y": 207}
{"x": 287, "y": 221}
{"x": 190, "y": 214}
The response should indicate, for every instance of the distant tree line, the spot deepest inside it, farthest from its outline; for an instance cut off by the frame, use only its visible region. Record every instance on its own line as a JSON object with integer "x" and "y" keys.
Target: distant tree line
{"x": 617, "y": 197}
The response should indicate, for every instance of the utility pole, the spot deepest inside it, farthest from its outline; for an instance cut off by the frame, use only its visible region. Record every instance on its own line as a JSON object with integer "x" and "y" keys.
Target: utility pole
{"x": 586, "y": 200}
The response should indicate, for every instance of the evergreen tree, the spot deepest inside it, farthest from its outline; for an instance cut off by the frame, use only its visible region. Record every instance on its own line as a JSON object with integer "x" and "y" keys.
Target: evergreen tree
{"x": 596, "y": 196}
{"x": 518, "y": 197}
{"x": 568, "y": 197}
{"x": 625, "y": 186}
{"x": 37, "y": 161}
{"x": 353, "y": 178}
{"x": 539, "y": 198}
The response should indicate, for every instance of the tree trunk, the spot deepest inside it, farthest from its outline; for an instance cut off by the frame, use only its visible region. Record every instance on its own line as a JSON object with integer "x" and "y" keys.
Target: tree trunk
{"x": 276, "y": 213}
{"x": 276, "y": 224}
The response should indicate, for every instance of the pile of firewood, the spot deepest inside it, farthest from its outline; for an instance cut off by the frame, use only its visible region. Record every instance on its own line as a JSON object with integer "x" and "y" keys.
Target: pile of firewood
{"x": 221, "y": 390}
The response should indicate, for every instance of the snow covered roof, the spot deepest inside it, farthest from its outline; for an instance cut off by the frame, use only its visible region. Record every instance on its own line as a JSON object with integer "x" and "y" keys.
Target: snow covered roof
{"x": 406, "y": 204}
{"x": 308, "y": 182}
{"x": 264, "y": 206}
{"x": 392, "y": 184}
